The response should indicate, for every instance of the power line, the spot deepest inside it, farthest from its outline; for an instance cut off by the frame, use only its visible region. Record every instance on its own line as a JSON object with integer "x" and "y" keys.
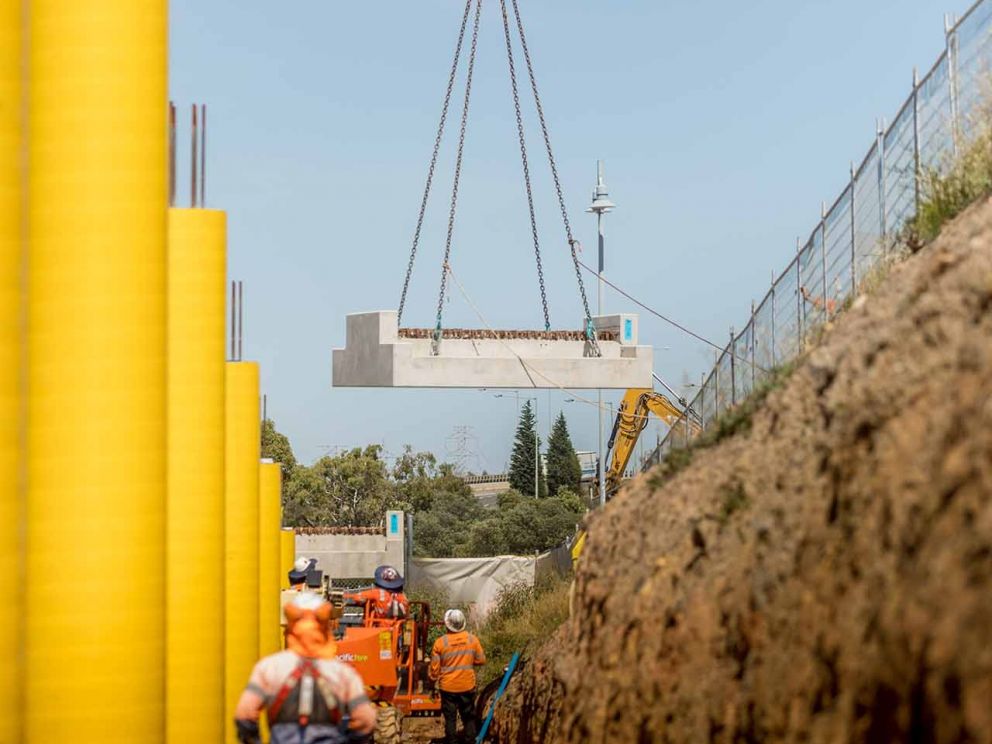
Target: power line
{"x": 668, "y": 320}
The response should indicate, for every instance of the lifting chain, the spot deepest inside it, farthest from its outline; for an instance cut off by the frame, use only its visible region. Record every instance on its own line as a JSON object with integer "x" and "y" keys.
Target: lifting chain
{"x": 458, "y": 172}
{"x": 572, "y": 242}
{"x": 434, "y": 155}
{"x": 523, "y": 157}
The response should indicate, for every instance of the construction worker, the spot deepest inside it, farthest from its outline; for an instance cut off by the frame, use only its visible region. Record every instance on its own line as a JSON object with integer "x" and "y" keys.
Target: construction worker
{"x": 454, "y": 658}
{"x": 387, "y": 597}
{"x": 308, "y": 695}
{"x": 298, "y": 573}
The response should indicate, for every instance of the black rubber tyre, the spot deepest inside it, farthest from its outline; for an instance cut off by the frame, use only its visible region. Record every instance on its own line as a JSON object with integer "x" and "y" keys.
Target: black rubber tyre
{"x": 387, "y": 726}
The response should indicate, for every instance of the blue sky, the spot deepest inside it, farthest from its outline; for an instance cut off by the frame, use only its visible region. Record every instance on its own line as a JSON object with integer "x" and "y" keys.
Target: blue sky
{"x": 723, "y": 126}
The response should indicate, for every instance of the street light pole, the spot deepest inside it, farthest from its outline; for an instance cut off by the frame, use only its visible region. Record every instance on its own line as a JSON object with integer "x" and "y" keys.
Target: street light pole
{"x": 600, "y": 206}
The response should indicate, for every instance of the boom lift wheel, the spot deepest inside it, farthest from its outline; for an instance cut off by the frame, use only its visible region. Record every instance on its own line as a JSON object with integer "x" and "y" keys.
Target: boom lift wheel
{"x": 387, "y": 725}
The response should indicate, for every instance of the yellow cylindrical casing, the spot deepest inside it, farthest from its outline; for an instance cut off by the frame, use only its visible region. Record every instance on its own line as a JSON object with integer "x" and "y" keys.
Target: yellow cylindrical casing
{"x": 96, "y": 307}
{"x": 12, "y": 186}
{"x": 195, "y": 511}
{"x": 269, "y": 556}
{"x": 287, "y": 548}
{"x": 243, "y": 437}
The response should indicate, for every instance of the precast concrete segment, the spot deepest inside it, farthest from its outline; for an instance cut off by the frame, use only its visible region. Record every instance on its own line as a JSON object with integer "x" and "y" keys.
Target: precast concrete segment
{"x": 195, "y": 505}
{"x": 243, "y": 437}
{"x": 287, "y": 555}
{"x": 96, "y": 309}
{"x": 12, "y": 340}
{"x": 377, "y": 354}
{"x": 269, "y": 556}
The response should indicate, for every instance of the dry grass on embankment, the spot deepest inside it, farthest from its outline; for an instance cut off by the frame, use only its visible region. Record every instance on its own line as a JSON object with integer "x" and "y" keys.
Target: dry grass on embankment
{"x": 823, "y": 573}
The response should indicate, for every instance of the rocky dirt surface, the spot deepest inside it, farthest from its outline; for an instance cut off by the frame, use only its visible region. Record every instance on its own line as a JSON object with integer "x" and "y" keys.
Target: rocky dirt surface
{"x": 825, "y": 576}
{"x": 422, "y": 730}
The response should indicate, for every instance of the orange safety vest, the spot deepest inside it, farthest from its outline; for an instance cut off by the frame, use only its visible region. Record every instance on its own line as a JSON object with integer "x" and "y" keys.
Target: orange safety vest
{"x": 385, "y": 603}
{"x": 454, "y": 659}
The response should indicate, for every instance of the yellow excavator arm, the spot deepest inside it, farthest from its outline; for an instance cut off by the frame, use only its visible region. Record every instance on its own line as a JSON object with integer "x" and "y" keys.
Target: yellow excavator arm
{"x": 631, "y": 420}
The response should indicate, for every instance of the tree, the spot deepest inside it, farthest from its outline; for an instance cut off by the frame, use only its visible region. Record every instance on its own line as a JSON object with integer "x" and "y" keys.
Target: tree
{"x": 533, "y": 525}
{"x": 564, "y": 470}
{"x": 276, "y": 447}
{"x": 351, "y": 489}
{"x": 419, "y": 478}
{"x": 522, "y": 460}
{"x": 443, "y": 530}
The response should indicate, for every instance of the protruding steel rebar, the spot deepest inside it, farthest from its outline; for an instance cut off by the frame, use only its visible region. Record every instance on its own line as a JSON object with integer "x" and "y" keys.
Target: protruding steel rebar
{"x": 203, "y": 154}
{"x": 234, "y": 324}
{"x": 193, "y": 140}
{"x": 172, "y": 154}
{"x": 241, "y": 318}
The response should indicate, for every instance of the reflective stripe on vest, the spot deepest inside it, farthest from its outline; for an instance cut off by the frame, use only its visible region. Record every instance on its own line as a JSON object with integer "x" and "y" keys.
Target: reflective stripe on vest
{"x": 311, "y": 696}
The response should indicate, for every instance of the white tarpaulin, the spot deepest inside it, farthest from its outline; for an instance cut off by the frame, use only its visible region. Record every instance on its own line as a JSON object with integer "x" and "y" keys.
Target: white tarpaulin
{"x": 476, "y": 582}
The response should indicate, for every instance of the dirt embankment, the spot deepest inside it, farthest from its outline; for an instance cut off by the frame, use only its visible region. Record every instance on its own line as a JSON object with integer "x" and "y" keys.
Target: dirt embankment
{"x": 823, "y": 577}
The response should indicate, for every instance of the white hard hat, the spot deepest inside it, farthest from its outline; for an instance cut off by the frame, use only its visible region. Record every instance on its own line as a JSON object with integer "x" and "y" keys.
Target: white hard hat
{"x": 308, "y": 600}
{"x": 301, "y": 565}
{"x": 454, "y": 620}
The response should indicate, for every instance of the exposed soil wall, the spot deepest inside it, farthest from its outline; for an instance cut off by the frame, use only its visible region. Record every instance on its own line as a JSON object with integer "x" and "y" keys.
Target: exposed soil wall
{"x": 825, "y": 576}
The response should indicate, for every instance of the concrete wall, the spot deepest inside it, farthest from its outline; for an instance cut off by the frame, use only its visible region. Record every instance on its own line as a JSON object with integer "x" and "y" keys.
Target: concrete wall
{"x": 341, "y": 554}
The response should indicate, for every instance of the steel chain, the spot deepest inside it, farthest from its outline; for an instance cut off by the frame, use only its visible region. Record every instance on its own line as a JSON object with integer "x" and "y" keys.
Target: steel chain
{"x": 434, "y": 156}
{"x": 572, "y": 242}
{"x": 458, "y": 172}
{"x": 523, "y": 157}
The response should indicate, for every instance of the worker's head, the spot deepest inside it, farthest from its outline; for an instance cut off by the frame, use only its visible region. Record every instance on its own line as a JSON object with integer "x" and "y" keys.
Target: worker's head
{"x": 454, "y": 620}
{"x": 310, "y": 626}
{"x": 298, "y": 574}
{"x": 387, "y": 577}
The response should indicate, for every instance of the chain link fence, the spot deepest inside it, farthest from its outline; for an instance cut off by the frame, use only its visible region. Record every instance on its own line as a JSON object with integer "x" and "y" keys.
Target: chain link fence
{"x": 944, "y": 109}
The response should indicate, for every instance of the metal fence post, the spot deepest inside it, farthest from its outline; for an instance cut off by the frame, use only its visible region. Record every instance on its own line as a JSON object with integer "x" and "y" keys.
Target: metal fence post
{"x": 774, "y": 350}
{"x": 951, "y": 46}
{"x": 716, "y": 388}
{"x": 754, "y": 344}
{"x": 799, "y": 297}
{"x": 916, "y": 141}
{"x": 854, "y": 252}
{"x": 733, "y": 368}
{"x": 823, "y": 256}
{"x": 880, "y": 145}
{"x": 702, "y": 399}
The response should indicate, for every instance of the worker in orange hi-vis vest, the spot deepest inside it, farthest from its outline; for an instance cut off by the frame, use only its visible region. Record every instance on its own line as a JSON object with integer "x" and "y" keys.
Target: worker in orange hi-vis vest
{"x": 454, "y": 658}
{"x": 307, "y": 693}
{"x": 386, "y": 597}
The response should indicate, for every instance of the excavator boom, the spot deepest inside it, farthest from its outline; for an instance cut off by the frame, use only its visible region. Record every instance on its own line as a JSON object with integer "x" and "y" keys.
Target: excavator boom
{"x": 632, "y": 418}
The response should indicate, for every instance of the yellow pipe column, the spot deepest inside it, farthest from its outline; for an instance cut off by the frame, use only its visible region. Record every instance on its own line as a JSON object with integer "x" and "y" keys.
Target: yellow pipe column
{"x": 195, "y": 504}
{"x": 12, "y": 177}
{"x": 243, "y": 437}
{"x": 269, "y": 556}
{"x": 287, "y": 548}
{"x": 95, "y": 633}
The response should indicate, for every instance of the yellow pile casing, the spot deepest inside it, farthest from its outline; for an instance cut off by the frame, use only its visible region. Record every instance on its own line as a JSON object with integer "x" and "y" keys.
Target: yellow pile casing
{"x": 195, "y": 510}
{"x": 287, "y": 549}
{"x": 96, "y": 311}
{"x": 243, "y": 435}
{"x": 12, "y": 177}
{"x": 269, "y": 556}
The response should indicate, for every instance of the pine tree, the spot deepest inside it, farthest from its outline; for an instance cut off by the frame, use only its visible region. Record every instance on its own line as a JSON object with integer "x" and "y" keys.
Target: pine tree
{"x": 564, "y": 470}
{"x": 522, "y": 459}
